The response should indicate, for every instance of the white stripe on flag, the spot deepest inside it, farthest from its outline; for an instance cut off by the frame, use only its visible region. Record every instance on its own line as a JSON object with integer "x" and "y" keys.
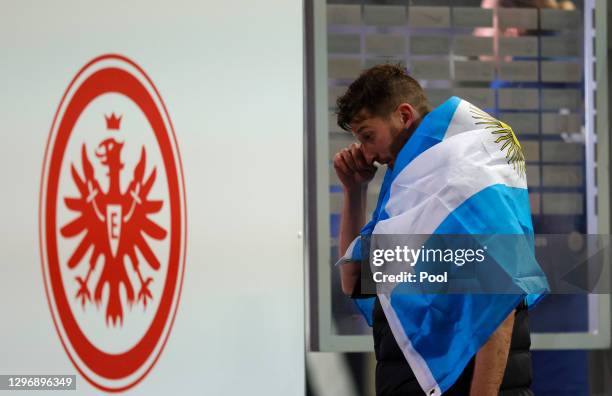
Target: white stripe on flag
{"x": 348, "y": 256}
{"x": 462, "y": 120}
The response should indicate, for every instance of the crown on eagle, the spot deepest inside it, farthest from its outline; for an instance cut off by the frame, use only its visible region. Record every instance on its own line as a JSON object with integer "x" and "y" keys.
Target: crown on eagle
{"x": 113, "y": 122}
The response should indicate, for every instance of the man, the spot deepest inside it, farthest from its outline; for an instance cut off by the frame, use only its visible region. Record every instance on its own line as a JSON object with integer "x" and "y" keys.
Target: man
{"x": 382, "y": 109}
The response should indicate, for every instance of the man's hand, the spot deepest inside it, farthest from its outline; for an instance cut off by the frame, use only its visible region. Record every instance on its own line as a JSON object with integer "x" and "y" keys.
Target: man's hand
{"x": 354, "y": 173}
{"x": 352, "y": 168}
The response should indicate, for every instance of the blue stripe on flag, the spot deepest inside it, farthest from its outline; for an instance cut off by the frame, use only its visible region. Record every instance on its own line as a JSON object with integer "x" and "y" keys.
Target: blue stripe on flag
{"x": 497, "y": 209}
{"x": 366, "y": 307}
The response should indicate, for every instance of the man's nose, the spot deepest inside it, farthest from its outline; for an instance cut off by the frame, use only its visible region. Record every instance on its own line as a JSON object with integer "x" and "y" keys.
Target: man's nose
{"x": 369, "y": 157}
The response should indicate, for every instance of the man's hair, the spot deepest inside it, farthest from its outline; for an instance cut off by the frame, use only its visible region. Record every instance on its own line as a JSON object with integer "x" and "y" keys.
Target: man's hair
{"x": 378, "y": 91}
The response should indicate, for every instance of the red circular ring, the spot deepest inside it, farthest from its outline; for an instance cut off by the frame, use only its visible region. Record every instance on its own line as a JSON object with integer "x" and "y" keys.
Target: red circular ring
{"x": 113, "y": 80}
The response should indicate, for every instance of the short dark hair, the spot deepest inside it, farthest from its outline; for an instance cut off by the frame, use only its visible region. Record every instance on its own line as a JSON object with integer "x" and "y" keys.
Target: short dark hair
{"x": 378, "y": 91}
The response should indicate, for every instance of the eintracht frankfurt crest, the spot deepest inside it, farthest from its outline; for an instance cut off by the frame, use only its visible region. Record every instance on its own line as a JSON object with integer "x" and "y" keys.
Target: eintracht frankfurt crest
{"x": 112, "y": 223}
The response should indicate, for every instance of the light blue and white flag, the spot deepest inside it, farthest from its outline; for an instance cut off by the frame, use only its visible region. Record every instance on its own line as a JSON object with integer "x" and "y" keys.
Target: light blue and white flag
{"x": 461, "y": 172}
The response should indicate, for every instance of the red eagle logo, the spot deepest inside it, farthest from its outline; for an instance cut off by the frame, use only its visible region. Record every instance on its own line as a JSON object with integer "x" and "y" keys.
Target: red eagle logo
{"x": 113, "y": 223}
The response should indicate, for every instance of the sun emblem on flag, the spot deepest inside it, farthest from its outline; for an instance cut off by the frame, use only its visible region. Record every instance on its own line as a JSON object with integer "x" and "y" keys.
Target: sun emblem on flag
{"x": 506, "y": 137}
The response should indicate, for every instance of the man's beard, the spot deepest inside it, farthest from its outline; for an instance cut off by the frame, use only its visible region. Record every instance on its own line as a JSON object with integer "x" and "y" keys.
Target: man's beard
{"x": 400, "y": 137}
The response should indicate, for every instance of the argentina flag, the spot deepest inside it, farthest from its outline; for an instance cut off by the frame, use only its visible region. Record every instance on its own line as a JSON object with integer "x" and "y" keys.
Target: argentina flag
{"x": 461, "y": 172}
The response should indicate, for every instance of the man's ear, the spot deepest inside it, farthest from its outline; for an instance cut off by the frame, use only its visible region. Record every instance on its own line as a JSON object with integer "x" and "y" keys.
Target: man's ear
{"x": 408, "y": 114}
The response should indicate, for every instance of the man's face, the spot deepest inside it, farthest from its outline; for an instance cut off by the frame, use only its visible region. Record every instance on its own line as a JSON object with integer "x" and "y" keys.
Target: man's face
{"x": 379, "y": 138}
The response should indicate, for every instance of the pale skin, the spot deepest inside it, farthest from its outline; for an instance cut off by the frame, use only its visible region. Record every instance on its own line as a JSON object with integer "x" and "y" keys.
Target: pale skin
{"x": 380, "y": 139}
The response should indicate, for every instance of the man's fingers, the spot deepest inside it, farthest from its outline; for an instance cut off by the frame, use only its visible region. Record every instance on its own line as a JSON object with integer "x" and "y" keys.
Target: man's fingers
{"x": 348, "y": 159}
{"x": 359, "y": 158}
{"x": 340, "y": 165}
